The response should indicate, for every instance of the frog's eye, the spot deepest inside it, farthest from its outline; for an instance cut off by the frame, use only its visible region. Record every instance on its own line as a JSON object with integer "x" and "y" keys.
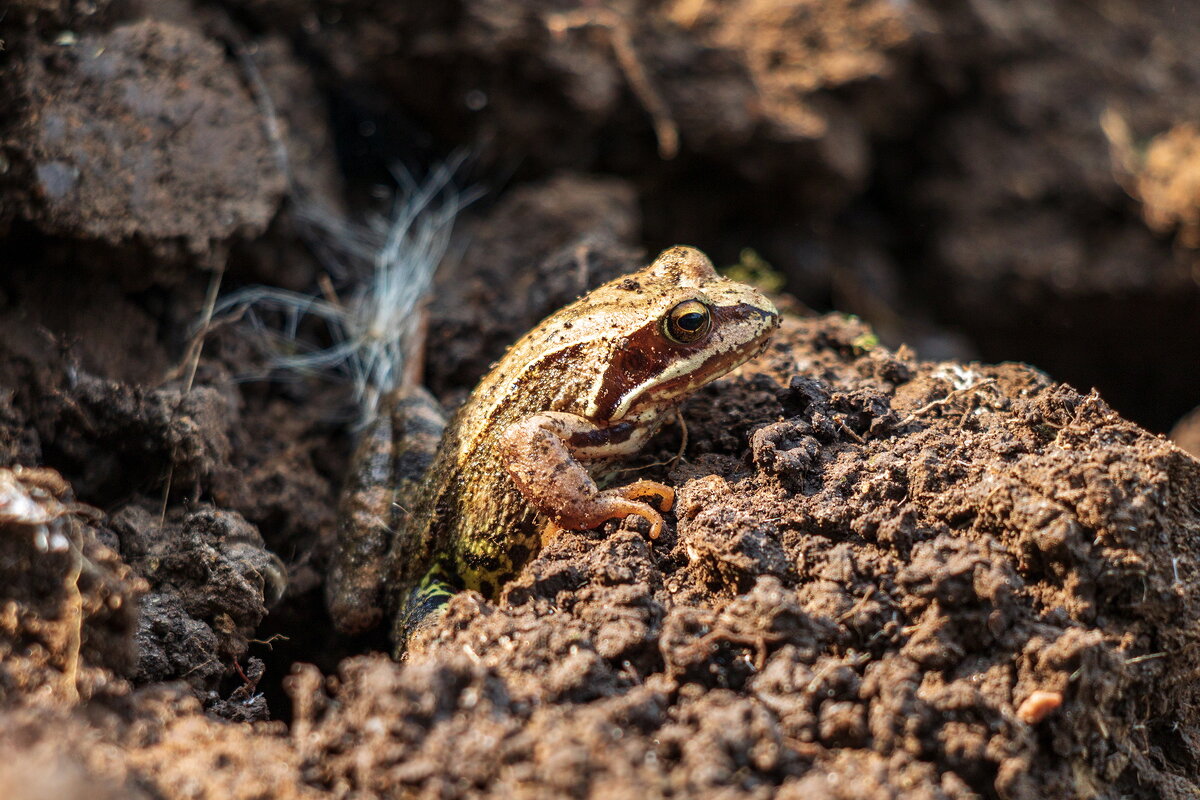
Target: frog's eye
{"x": 687, "y": 322}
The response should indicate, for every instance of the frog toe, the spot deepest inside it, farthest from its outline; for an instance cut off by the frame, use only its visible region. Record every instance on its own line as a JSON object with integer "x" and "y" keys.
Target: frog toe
{"x": 660, "y": 491}
{"x": 618, "y": 505}
{"x": 655, "y": 519}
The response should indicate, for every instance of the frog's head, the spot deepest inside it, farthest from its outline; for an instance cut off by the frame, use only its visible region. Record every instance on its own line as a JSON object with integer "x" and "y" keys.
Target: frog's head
{"x": 673, "y": 327}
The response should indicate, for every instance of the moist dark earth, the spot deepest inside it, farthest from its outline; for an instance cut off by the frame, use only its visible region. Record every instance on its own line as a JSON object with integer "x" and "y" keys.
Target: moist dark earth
{"x": 895, "y": 569}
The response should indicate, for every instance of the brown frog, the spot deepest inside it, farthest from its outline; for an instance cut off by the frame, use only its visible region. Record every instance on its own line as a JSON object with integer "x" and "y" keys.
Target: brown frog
{"x": 429, "y": 512}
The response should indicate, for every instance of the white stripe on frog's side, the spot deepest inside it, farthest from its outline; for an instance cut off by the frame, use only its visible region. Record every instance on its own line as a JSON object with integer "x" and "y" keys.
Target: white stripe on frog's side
{"x": 648, "y": 424}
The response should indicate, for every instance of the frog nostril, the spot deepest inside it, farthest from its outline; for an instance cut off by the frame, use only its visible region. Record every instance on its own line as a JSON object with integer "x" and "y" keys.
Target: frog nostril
{"x": 768, "y": 316}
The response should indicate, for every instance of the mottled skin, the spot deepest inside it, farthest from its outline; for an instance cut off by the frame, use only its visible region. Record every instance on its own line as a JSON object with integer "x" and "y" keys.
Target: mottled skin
{"x": 589, "y": 385}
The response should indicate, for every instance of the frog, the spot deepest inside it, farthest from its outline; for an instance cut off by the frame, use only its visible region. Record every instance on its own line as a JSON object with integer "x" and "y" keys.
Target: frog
{"x": 433, "y": 507}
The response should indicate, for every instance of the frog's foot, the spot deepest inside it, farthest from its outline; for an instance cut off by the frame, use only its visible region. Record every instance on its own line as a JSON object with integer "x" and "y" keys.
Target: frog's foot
{"x": 615, "y": 503}
{"x": 539, "y": 453}
{"x": 422, "y": 610}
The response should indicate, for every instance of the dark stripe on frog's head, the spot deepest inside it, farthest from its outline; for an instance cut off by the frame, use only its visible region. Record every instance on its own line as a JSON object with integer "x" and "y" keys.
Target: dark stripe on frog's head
{"x": 649, "y": 367}
{"x": 643, "y": 354}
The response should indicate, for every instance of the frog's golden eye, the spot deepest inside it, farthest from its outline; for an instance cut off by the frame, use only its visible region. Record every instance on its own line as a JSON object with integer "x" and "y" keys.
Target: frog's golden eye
{"x": 687, "y": 322}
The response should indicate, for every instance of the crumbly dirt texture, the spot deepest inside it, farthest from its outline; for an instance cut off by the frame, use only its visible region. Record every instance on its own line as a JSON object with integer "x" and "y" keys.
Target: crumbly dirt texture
{"x": 895, "y": 569}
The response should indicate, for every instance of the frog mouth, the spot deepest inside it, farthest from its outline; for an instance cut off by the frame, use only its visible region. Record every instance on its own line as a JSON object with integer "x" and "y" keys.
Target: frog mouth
{"x": 710, "y": 369}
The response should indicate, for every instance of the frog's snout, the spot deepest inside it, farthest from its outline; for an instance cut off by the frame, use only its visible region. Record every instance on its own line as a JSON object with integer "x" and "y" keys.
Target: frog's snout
{"x": 765, "y": 314}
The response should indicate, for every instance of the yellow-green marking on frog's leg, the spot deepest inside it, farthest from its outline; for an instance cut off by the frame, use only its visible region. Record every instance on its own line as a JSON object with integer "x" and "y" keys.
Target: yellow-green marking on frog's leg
{"x": 424, "y": 605}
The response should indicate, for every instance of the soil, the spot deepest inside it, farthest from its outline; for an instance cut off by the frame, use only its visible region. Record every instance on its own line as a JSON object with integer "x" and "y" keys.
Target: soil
{"x": 893, "y": 570}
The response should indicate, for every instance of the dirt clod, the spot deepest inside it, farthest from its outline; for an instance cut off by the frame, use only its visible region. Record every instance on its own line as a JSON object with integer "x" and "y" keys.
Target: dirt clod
{"x": 143, "y": 131}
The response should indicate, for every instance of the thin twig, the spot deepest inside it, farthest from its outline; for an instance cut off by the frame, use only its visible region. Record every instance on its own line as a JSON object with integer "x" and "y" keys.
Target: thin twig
{"x": 943, "y": 401}
{"x": 858, "y": 606}
{"x": 683, "y": 438}
{"x": 1147, "y": 657}
{"x": 274, "y": 637}
{"x": 75, "y": 609}
{"x": 210, "y": 302}
{"x": 262, "y": 96}
{"x": 621, "y": 39}
{"x": 328, "y": 292}
{"x": 683, "y": 442}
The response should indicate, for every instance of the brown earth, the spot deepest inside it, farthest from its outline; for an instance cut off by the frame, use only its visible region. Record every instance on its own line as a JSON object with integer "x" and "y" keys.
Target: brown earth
{"x": 887, "y": 576}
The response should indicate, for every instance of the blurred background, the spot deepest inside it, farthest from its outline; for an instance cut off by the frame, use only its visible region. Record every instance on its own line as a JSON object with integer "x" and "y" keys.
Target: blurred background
{"x": 979, "y": 179}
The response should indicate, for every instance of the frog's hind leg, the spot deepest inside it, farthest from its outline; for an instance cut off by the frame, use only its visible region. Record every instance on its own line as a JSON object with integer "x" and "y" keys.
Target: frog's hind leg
{"x": 386, "y": 472}
{"x": 424, "y": 607}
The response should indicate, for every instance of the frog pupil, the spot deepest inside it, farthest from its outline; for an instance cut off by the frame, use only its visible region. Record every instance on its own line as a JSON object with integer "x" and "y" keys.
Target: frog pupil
{"x": 687, "y": 322}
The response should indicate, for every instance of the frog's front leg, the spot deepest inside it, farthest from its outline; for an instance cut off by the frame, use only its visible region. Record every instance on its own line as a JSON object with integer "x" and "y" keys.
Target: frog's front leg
{"x": 542, "y": 454}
